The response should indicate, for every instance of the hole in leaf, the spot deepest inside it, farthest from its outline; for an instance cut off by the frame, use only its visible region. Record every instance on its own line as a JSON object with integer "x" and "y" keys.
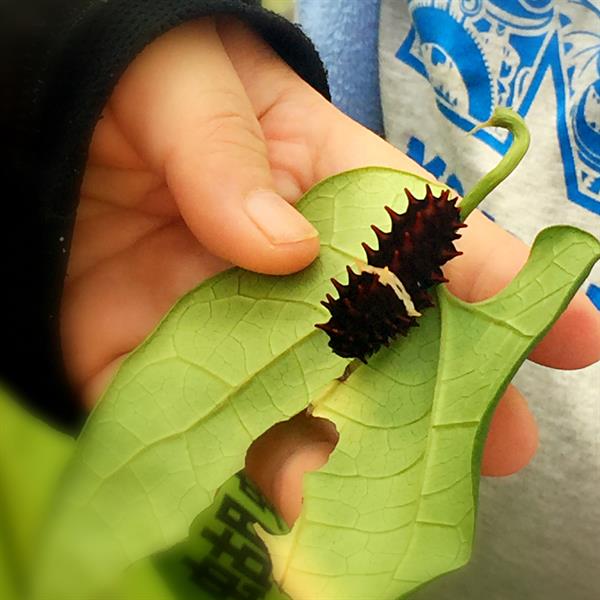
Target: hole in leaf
{"x": 279, "y": 458}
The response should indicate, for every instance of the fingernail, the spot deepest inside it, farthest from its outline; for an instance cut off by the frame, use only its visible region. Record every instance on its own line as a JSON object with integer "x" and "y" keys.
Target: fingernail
{"x": 278, "y": 221}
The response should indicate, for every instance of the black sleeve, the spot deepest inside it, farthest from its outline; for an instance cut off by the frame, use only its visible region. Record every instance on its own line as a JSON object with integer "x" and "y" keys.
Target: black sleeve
{"x": 59, "y": 62}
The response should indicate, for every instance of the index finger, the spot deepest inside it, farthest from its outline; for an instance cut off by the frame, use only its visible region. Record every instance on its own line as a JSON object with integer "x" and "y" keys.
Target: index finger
{"x": 331, "y": 142}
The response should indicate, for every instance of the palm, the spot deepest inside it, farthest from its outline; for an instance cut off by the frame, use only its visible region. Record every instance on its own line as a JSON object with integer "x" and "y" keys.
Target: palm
{"x": 147, "y": 211}
{"x": 133, "y": 254}
{"x": 132, "y": 257}
{"x": 192, "y": 129}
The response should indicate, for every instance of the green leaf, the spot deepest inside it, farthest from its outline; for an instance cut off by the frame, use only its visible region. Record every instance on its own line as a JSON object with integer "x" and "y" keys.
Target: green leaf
{"x": 223, "y": 554}
{"x": 395, "y": 504}
{"x": 32, "y": 458}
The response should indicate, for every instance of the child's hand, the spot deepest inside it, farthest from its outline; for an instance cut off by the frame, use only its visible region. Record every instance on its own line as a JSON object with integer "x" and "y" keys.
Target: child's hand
{"x": 206, "y": 142}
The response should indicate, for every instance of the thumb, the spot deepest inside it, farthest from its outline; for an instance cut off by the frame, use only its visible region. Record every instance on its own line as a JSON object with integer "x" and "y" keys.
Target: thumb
{"x": 185, "y": 107}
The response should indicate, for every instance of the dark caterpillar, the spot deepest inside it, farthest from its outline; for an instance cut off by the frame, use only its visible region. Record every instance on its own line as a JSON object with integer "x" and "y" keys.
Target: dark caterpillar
{"x": 384, "y": 299}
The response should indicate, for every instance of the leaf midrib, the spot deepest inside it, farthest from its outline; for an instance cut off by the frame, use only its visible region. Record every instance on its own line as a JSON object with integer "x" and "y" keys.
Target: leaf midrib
{"x": 234, "y": 391}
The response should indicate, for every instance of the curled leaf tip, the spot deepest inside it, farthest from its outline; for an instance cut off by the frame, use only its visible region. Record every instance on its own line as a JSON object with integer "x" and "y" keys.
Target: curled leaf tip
{"x": 514, "y": 123}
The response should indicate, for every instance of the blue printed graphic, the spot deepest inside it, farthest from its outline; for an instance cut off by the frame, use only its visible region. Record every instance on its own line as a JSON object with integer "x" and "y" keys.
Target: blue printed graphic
{"x": 435, "y": 165}
{"x": 593, "y": 293}
{"x": 479, "y": 54}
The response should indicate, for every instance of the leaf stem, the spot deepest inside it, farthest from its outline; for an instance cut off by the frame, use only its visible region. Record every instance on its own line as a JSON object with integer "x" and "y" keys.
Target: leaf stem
{"x": 508, "y": 119}
{"x": 350, "y": 368}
